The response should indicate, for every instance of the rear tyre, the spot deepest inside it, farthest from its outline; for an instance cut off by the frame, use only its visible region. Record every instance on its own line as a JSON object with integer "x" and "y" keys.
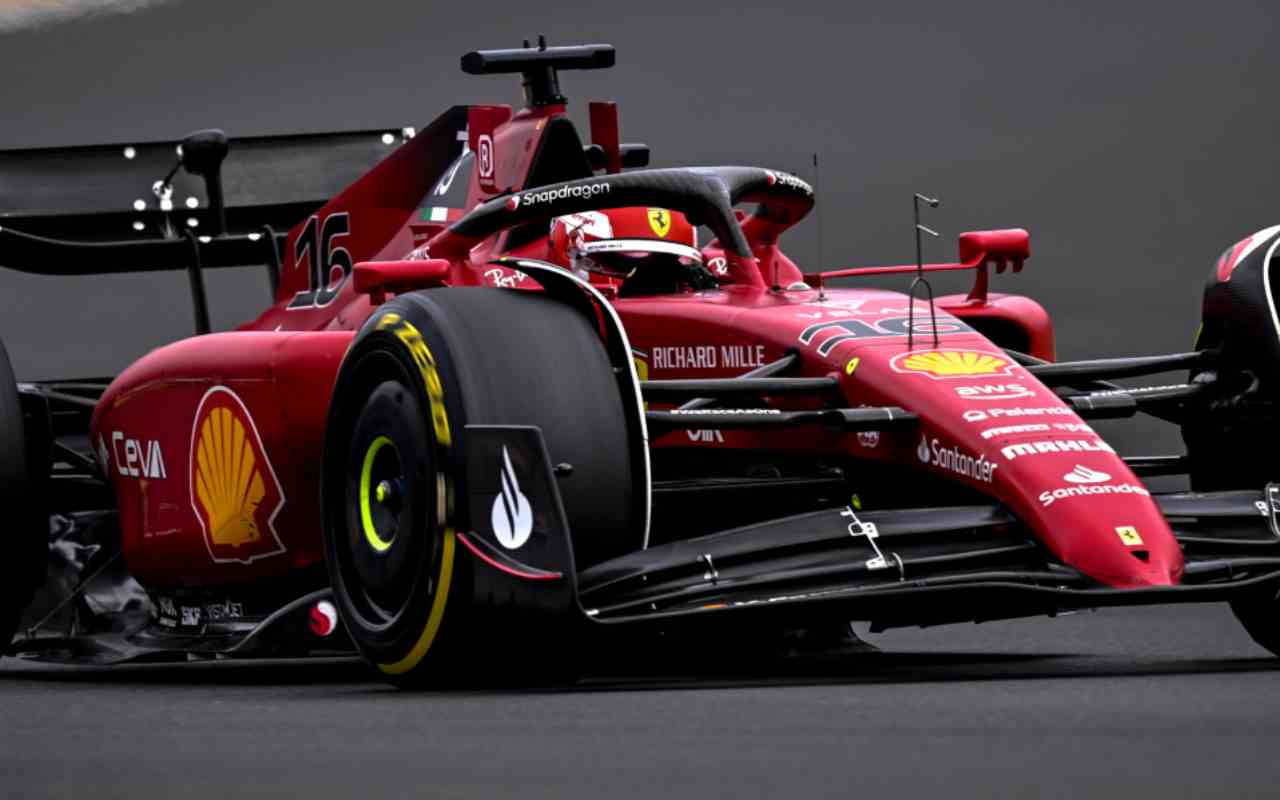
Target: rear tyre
{"x": 23, "y": 560}
{"x": 424, "y": 367}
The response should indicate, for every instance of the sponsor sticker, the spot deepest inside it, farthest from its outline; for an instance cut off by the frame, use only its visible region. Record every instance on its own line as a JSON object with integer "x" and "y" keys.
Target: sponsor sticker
{"x": 1011, "y": 430}
{"x": 484, "y": 155}
{"x": 708, "y": 356}
{"x": 134, "y": 458}
{"x": 943, "y": 364}
{"x": 788, "y": 180}
{"x": 1088, "y": 483}
{"x": 511, "y": 514}
{"x": 981, "y": 415}
{"x": 1082, "y": 474}
{"x": 995, "y": 391}
{"x": 234, "y": 489}
{"x": 580, "y": 191}
{"x": 1129, "y": 535}
{"x": 1021, "y": 449}
{"x": 723, "y": 411}
{"x": 825, "y": 336}
{"x": 322, "y": 619}
{"x": 706, "y": 436}
{"x": 659, "y": 221}
{"x": 953, "y": 459}
{"x": 504, "y": 278}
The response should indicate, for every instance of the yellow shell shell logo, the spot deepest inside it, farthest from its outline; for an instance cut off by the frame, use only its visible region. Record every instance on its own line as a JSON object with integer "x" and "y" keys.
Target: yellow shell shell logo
{"x": 234, "y": 490}
{"x": 955, "y": 363}
{"x": 660, "y": 221}
{"x": 228, "y": 481}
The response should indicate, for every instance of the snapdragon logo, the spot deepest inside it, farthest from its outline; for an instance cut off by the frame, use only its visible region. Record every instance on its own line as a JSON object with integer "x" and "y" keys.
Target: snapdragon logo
{"x": 576, "y": 191}
{"x": 788, "y": 180}
{"x": 953, "y": 459}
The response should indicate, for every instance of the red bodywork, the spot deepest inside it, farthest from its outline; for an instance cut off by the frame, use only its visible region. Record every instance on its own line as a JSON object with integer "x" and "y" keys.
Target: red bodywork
{"x": 214, "y": 443}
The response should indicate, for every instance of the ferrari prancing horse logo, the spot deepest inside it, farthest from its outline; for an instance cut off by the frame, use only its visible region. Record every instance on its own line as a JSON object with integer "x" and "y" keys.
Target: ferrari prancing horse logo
{"x": 660, "y": 221}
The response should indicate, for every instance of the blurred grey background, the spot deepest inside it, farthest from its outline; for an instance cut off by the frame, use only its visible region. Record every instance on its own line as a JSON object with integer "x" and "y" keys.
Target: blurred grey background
{"x": 1134, "y": 140}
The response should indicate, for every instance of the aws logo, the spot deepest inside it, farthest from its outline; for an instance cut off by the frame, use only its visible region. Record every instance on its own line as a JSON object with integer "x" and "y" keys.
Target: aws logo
{"x": 234, "y": 489}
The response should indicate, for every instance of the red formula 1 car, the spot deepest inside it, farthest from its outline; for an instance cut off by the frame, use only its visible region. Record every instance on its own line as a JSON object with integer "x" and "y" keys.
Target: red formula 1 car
{"x": 503, "y": 402}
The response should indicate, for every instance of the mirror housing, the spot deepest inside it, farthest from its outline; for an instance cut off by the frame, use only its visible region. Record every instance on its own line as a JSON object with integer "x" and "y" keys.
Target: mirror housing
{"x": 1003, "y": 248}
{"x": 377, "y": 278}
{"x": 1011, "y": 246}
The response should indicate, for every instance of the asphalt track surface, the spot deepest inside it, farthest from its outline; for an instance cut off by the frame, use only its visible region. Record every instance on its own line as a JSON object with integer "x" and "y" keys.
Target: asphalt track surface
{"x": 1164, "y": 702}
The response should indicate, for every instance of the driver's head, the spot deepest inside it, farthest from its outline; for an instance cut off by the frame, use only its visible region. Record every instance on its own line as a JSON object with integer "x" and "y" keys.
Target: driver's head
{"x": 622, "y": 242}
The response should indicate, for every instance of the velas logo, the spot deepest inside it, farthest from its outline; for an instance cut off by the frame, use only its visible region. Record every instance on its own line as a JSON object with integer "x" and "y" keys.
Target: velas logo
{"x": 1082, "y": 474}
{"x": 511, "y": 515}
{"x": 951, "y": 363}
{"x": 659, "y": 221}
{"x": 576, "y": 191}
{"x": 234, "y": 489}
{"x": 997, "y": 391}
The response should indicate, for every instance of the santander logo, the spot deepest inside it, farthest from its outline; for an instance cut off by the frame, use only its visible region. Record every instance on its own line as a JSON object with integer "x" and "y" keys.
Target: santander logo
{"x": 1082, "y": 474}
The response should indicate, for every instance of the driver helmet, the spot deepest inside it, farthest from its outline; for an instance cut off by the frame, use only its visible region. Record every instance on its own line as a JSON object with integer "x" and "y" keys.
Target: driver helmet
{"x": 616, "y": 242}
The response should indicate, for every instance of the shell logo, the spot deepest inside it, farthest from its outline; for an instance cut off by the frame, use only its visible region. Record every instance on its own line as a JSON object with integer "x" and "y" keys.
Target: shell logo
{"x": 234, "y": 489}
{"x": 952, "y": 363}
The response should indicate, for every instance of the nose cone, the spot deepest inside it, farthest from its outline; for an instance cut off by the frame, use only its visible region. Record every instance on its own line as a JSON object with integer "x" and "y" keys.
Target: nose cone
{"x": 1122, "y": 541}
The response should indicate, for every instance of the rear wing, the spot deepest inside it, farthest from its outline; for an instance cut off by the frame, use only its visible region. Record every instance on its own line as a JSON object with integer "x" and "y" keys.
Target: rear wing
{"x": 111, "y": 209}
{"x": 107, "y": 192}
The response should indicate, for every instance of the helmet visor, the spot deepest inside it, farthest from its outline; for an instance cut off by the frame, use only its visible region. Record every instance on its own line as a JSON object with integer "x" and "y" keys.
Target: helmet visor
{"x": 619, "y": 258}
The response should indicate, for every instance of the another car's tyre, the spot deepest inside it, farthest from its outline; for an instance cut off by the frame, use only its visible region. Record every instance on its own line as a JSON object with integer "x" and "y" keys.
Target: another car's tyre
{"x": 1259, "y": 613}
{"x": 425, "y": 366}
{"x": 24, "y": 560}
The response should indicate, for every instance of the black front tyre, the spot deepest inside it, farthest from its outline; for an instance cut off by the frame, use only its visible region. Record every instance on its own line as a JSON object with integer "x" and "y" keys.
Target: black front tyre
{"x": 424, "y": 367}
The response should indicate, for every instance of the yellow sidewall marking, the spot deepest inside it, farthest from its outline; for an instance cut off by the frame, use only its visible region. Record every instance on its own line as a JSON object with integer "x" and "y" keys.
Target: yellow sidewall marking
{"x": 428, "y": 636}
